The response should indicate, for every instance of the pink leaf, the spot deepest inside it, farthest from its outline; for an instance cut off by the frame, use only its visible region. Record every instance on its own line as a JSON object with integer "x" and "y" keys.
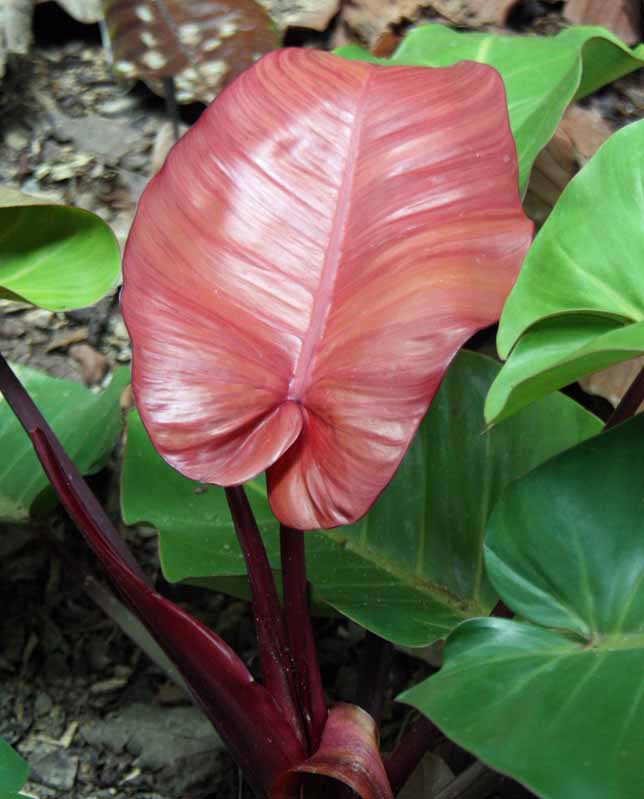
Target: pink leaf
{"x": 348, "y": 753}
{"x": 304, "y": 268}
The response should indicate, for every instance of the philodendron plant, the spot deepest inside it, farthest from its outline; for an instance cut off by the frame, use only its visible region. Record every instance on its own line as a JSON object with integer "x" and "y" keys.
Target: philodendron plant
{"x": 297, "y": 284}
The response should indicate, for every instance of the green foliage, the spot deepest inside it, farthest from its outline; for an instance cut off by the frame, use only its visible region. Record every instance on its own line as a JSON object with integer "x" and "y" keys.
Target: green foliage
{"x": 557, "y": 700}
{"x": 54, "y": 256}
{"x": 578, "y": 305}
{"x": 542, "y": 75}
{"x": 412, "y": 568}
{"x": 87, "y": 424}
{"x": 13, "y": 772}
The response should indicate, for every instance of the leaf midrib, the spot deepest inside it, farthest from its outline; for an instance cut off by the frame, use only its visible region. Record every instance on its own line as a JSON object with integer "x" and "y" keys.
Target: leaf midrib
{"x": 464, "y": 607}
{"x": 326, "y": 285}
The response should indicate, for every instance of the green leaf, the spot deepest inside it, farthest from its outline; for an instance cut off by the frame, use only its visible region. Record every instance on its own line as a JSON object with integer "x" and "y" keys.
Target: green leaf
{"x": 542, "y": 75}
{"x": 87, "y": 424}
{"x": 412, "y": 568}
{"x": 578, "y": 305}
{"x": 13, "y": 771}
{"x": 52, "y": 255}
{"x": 558, "y": 702}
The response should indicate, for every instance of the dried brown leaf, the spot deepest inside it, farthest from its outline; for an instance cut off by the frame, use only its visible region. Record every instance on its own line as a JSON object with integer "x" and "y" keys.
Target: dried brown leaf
{"x": 202, "y": 44}
{"x": 93, "y": 364}
{"x": 579, "y": 135}
{"x": 63, "y": 340}
{"x": 612, "y": 383}
{"x": 622, "y": 17}
{"x": 163, "y": 142}
{"x": 313, "y": 14}
{"x": 369, "y": 19}
{"x": 473, "y": 13}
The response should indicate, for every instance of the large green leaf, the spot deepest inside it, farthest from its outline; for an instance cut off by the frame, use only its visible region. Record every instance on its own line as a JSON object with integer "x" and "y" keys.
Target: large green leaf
{"x": 542, "y": 75}
{"x": 412, "y": 568}
{"x": 558, "y": 702}
{"x": 578, "y": 305}
{"x": 86, "y": 423}
{"x": 13, "y": 771}
{"x": 52, "y": 255}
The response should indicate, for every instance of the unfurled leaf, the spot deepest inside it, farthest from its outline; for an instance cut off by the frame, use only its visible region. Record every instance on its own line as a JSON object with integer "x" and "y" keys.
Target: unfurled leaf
{"x": 88, "y": 425}
{"x": 622, "y": 17}
{"x": 52, "y": 255}
{"x": 348, "y": 753}
{"x": 13, "y": 771}
{"x": 202, "y": 44}
{"x": 557, "y": 702}
{"x": 542, "y": 74}
{"x": 306, "y": 265}
{"x": 578, "y": 306}
{"x": 412, "y": 568}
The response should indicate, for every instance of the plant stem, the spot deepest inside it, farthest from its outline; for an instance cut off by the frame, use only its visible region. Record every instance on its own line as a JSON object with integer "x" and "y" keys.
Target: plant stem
{"x": 275, "y": 658}
{"x": 375, "y": 662}
{"x": 418, "y": 739}
{"x": 300, "y": 634}
{"x": 262, "y": 740}
{"x": 170, "y": 96}
{"x": 86, "y": 504}
{"x": 629, "y": 403}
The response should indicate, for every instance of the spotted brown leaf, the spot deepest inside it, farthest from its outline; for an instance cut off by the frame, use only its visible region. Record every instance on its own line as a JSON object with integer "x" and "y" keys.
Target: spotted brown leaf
{"x": 202, "y": 44}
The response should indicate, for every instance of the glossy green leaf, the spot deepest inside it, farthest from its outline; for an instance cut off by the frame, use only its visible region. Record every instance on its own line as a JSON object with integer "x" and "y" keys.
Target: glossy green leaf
{"x": 87, "y": 424}
{"x": 52, "y": 255}
{"x": 542, "y": 75}
{"x": 13, "y": 771}
{"x": 412, "y": 568}
{"x": 558, "y": 702}
{"x": 578, "y": 305}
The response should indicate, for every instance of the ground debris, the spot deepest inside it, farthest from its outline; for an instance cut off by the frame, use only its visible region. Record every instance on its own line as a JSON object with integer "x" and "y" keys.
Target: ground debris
{"x": 623, "y": 17}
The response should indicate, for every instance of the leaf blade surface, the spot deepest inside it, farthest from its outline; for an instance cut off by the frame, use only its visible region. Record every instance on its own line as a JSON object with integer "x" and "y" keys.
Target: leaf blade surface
{"x": 413, "y": 567}
{"x": 557, "y": 701}
{"x": 305, "y": 292}
{"x": 578, "y": 305}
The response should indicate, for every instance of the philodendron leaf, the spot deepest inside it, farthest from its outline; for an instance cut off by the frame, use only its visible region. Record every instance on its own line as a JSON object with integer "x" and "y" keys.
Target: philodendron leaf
{"x": 557, "y": 701}
{"x": 578, "y": 305}
{"x": 13, "y": 772}
{"x": 306, "y": 265}
{"x": 87, "y": 424}
{"x": 349, "y": 753}
{"x": 542, "y": 75}
{"x": 202, "y": 45}
{"x": 412, "y": 568}
{"x": 53, "y": 255}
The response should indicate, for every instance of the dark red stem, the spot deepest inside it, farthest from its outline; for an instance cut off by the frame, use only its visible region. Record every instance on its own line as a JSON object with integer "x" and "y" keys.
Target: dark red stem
{"x": 258, "y": 733}
{"x": 275, "y": 658}
{"x": 629, "y": 403}
{"x": 375, "y": 662}
{"x": 401, "y": 763}
{"x": 308, "y": 681}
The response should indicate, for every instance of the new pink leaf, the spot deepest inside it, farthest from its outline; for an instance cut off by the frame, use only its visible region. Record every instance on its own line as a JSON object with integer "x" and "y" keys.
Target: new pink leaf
{"x": 348, "y": 753}
{"x": 302, "y": 271}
